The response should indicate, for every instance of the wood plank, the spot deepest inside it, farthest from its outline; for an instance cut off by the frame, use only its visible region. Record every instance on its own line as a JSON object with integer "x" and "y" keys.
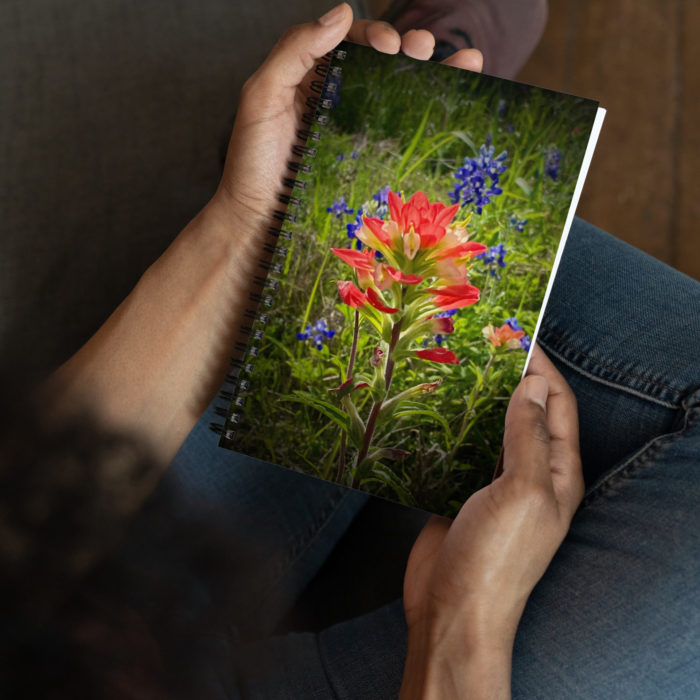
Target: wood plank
{"x": 548, "y": 65}
{"x": 622, "y": 54}
{"x": 687, "y": 238}
{"x": 625, "y": 56}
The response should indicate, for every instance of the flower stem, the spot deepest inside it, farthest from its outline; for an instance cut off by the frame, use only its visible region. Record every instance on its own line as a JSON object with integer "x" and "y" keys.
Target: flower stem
{"x": 376, "y": 407}
{"x": 351, "y": 367}
{"x": 341, "y": 458}
{"x": 470, "y": 407}
{"x": 353, "y": 350}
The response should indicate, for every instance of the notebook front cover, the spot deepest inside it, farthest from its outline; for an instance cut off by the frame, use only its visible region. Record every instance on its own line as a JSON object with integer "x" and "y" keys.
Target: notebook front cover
{"x": 415, "y": 277}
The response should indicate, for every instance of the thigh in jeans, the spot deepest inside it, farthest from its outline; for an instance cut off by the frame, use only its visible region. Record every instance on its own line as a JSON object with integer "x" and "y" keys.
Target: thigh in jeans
{"x": 618, "y": 612}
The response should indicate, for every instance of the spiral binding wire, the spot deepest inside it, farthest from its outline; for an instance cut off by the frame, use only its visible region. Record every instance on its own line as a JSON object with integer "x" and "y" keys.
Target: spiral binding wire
{"x": 262, "y": 297}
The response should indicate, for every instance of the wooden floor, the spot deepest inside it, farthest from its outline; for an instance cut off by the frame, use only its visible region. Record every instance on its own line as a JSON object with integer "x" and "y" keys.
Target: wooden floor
{"x": 641, "y": 60}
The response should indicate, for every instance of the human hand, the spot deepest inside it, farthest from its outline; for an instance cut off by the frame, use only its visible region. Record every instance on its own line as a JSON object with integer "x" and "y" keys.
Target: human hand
{"x": 270, "y": 110}
{"x": 467, "y": 581}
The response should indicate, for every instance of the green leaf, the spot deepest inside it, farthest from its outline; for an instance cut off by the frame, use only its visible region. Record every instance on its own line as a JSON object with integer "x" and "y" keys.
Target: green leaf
{"x": 413, "y": 143}
{"x": 410, "y": 409}
{"x": 270, "y": 338}
{"x": 385, "y": 476}
{"x": 463, "y": 137}
{"x": 524, "y": 185}
{"x": 327, "y": 409}
{"x": 425, "y": 155}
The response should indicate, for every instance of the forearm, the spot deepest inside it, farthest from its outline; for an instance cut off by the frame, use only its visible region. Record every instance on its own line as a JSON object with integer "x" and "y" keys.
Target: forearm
{"x": 154, "y": 365}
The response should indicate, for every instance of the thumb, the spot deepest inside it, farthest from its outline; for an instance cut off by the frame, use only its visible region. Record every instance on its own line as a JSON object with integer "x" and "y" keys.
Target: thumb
{"x": 296, "y": 52}
{"x": 526, "y": 442}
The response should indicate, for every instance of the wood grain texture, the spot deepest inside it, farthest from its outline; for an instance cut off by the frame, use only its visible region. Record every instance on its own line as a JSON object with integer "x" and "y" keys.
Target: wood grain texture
{"x": 687, "y": 238}
{"x": 640, "y": 59}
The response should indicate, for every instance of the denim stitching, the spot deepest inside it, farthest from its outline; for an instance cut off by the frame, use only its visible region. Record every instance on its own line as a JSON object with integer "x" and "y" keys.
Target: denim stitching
{"x": 609, "y": 367}
{"x": 639, "y": 459}
{"x": 605, "y": 382}
{"x": 301, "y": 544}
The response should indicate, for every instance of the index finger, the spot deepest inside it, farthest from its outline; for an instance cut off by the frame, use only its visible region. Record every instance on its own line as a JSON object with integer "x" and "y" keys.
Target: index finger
{"x": 379, "y": 35}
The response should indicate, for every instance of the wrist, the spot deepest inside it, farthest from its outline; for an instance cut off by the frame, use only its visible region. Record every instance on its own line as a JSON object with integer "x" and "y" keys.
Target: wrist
{"x": 457, "y": 659}
{"x": 241, "y": 228}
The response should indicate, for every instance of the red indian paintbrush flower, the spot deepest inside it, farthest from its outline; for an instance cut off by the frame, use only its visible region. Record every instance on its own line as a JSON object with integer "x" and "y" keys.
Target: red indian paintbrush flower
{"x": 455, "y": 296}
{"x": 442, "y": 325}
{"x": 423, "y": 266}
{"x": 420, "y": 242}
{"x": 504, "y": 335}
{"x": 375, "y": 299}
{"x": 438, "y": 355}
{"x": 351, "y": 295}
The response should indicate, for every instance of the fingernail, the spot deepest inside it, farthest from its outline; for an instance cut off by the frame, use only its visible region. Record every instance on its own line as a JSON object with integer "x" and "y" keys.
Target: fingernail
{"x": 537, "y": 390}
{"x": 332, "y": 16}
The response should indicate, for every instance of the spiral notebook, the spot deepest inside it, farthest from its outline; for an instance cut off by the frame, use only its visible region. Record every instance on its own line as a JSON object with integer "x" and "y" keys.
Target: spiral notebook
{"x": 427, "y": 208}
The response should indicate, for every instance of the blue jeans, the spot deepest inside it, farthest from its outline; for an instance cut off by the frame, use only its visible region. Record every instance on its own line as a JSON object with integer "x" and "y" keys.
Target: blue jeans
{"x": 617, "y": 614}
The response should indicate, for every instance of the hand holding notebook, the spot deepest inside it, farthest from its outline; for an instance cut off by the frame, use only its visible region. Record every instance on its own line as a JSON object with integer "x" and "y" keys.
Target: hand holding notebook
{"x": 467, "y": 581}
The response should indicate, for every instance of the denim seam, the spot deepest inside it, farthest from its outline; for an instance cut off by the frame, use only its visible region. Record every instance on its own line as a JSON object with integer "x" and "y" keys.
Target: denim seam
{"x": 613, "y": 369}
{"x": 607, "y": 382}
{"x": 302, "y": 543}
{"x": 323, "y": 660}
{"x": 640, "y": 458}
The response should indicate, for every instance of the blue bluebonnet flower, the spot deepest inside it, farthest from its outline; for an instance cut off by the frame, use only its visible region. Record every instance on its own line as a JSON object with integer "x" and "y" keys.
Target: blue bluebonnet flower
{"x": 493, "y": 257}
{"x": 517, "y": 223}
{"x": 510, "y": 128}
{"x": 502, "y": 107}
{"x": 382, "y": 199}
{"x": 340, "y": 157}
{"x": 525, "y": 341}
{"x": 318, "y": 333}
{"x": 352, "y": 229}
{"x": 552, "y": 163}
{"x": 471, "y": 184}
{"x": 382, "y": 196}
{"x": 355, "y": 155}
{"x": 340, "y": 207}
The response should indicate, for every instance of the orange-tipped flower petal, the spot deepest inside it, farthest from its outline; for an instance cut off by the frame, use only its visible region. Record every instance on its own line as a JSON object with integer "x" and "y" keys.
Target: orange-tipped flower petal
{"x": 350, "y": 294}
{"x": 438, "y": 355}
{"x": 470, "y": 248}
{"x": 355, "y": 258}
{"x": 399, "y": 276}
{"x": 419, "y": 200}
{"x": 455, "y": 296}
{"x": 504, "y": 335}
{"x": 449, "y": 303}
{"x": 376, "y": 300}
{"x": 430, "y": 234}
{"x": 457, "y": 291}
{"x": 395, "y": 205}
{"x": 444, "y": 215}
{"x": 376, "y": 226}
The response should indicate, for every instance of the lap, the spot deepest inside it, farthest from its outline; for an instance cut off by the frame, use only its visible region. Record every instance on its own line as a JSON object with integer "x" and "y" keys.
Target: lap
{"x": 616, "y": 614}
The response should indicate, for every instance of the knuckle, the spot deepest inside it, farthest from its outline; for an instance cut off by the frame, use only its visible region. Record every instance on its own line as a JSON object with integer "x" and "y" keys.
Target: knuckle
{"x": 290, "y": 34}
{"x": 534, "y": 427}
{"x": 530, "y": 497}
{"x": 539, "y": 430}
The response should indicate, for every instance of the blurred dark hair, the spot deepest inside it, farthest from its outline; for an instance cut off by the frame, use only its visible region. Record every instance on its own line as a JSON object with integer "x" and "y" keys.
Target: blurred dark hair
{"x": 87, "y": 611}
